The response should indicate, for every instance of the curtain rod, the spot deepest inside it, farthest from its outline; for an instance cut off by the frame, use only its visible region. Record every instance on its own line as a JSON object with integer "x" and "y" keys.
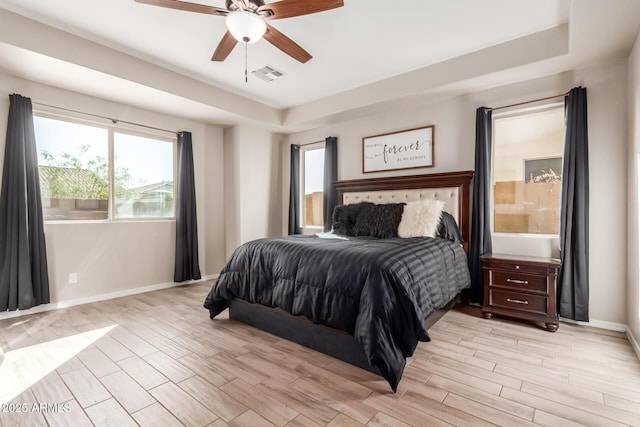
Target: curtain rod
{"x": 562, "y": 95}
{"x": 309, "y": 143}
{"x": 114, "y": 121}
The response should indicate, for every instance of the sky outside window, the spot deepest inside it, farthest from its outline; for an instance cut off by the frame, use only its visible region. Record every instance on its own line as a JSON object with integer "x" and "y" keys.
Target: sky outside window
{"x": 149, "y": 161}
{"x": 313, "y": 171}
{"x": 58, "y": 138}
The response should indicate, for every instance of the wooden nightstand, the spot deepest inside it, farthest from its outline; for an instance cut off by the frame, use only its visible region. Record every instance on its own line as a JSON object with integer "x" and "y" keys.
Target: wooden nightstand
{"x": 520, "y": 286}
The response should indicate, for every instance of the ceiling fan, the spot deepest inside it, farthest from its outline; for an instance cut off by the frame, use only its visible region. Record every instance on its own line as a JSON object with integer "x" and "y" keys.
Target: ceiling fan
{"x": 246, "y": 21}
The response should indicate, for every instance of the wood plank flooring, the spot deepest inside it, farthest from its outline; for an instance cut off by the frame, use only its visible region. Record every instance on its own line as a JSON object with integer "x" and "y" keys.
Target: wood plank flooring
{"x": 156, "y": 359}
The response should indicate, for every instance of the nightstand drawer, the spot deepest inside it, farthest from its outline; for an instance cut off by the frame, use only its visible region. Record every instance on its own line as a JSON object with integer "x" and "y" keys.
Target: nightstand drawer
{"x": 516, "y": 280}
{"x": 518, "y": 301}
{"x": 517, "y": 267}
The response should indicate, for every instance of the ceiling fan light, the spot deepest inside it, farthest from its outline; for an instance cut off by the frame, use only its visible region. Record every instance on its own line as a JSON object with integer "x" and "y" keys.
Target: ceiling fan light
{"x": 246, "y": 27}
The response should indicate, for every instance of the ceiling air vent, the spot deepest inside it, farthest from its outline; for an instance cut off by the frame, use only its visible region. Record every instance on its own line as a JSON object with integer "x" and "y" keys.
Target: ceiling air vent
{"x": 268, "y": 73}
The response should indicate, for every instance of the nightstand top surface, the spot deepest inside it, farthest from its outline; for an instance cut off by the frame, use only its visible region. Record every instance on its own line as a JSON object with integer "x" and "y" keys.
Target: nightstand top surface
{"x": 520, "y": 258}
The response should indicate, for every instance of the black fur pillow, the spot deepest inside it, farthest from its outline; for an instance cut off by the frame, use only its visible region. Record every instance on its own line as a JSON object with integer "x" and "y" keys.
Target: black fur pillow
{"x": 344, "y": 218}
{"x": 379, "y": 220}
{"x": 448, "y": 228}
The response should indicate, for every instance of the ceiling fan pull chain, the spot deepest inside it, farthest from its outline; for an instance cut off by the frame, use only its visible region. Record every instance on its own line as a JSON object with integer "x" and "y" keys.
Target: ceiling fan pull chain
{"x": 246, "y": 79}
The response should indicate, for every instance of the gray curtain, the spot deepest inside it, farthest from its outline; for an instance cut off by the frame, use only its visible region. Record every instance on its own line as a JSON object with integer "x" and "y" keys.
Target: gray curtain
{"x": 480, "y": 217}
{"x": 573, "y": 280}
{"x": 24, "y": 278}
{"x": 186, "y": 266}
{"x": 329, "y": 195}
{"x": 294, "y": 191}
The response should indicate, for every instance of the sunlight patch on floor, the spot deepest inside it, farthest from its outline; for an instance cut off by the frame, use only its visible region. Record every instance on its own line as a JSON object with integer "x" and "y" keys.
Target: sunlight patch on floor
{"x": 24, "y": 367}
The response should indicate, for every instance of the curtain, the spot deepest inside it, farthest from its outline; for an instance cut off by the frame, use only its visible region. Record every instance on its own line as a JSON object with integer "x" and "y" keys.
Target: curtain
{"x": 24, "y": 278}
{"x": 186, "y": 265}
{"x": 573, "y": 278}
{"x": 329, "y": 194}
{"x": 480, "y": 216}
{"x": 294, "y": 191}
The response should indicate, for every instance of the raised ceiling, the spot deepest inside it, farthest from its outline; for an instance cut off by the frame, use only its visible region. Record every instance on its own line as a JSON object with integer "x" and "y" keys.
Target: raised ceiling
{"x": 365, "y": 54}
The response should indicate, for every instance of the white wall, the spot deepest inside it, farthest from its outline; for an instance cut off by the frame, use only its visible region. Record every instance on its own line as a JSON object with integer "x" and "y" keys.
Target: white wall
{"x": 450, "y": 145}
{"x": 209, "y": 167}
{"x": 633, "y": 217}
{"x": 454, "y": 122}
{"x": 121, "y": 256}
{"x": 607, "y": 116}
{"x": 252, "y": 187}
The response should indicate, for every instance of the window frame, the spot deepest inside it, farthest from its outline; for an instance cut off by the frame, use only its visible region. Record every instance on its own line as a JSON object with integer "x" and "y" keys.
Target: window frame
{"x": 112, "y": 129}
{"x": 302, "y": 205}
{"x": 514, "y": 113}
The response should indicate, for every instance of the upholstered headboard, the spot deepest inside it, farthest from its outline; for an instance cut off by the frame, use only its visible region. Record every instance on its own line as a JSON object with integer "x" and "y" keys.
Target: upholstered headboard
{"x": 452, "y": 187}
{"x": 450, "y": 195}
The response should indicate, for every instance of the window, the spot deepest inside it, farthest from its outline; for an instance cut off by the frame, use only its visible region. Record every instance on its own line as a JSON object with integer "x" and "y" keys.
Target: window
{"x": 92, "y": 172}
{"x": 143, "y": 177}
{"x": 527, "y": 171}
{"x": 312, "y": 173}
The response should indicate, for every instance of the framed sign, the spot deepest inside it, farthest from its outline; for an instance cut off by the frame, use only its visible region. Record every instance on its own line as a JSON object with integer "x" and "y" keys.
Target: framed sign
{"x": 407, "y": 149}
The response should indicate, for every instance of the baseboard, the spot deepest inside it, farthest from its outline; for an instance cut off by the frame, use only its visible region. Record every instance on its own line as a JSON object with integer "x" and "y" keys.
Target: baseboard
{"x": 600, "y": 324}
{"x": 102, "y": 297}
{"x": 633, "y": 342}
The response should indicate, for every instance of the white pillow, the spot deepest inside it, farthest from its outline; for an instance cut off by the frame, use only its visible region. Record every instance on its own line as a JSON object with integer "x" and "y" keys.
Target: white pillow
{"x": 421, "y": 218}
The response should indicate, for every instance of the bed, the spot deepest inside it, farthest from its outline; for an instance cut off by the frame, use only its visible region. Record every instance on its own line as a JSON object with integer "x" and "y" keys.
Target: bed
{"x": 364, "y": 300}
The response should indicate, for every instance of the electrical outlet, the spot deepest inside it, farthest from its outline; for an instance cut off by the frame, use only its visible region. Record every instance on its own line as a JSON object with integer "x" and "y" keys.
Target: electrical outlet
{"x": 73, "y": 278}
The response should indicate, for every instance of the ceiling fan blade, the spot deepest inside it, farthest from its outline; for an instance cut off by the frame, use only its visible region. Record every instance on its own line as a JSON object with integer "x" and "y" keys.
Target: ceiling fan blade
{"x": 286, "y": 45}
{"x": 290, "y": 8}
{"x": 225, "y": 47}
{"x": 189, "y": 7}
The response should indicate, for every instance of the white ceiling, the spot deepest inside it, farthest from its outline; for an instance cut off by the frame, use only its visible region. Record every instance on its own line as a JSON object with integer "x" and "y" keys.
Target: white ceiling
{"x": 365, "y": 54}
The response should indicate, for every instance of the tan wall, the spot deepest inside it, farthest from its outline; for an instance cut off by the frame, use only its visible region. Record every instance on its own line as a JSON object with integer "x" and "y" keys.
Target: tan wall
{"x": 633, "y": 216}
{"x": 252, "y": 187}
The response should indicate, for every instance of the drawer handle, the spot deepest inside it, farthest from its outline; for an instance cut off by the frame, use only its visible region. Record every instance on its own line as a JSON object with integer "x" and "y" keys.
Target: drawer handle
{"x": 521, "y": 282}
{"x": 518, "y": 301}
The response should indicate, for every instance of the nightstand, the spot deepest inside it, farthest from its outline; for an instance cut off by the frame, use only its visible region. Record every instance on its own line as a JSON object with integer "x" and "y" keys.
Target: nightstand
{"x": 522, "y": 287}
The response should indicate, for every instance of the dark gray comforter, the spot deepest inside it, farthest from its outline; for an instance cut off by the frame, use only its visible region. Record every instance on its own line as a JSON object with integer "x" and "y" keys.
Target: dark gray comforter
{"x": 378, "y": 290}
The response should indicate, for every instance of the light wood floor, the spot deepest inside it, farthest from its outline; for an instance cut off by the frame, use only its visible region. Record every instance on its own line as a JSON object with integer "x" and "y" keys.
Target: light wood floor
{"x": 157, "y": 359}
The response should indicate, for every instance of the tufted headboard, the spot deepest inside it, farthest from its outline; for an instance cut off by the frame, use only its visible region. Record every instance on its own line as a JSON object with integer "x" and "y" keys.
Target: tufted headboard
{"x": 452, "y": 187}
